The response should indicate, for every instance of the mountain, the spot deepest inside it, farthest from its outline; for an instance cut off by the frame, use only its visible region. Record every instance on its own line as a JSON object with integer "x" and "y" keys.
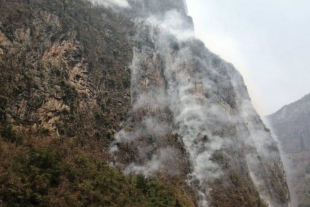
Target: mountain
{"x": 116, "y": 103}
{"x": 291, "y": 124}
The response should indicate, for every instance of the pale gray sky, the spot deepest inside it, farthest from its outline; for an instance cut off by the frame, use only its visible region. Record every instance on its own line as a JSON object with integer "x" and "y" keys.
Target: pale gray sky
{"x": 268, "y": 41}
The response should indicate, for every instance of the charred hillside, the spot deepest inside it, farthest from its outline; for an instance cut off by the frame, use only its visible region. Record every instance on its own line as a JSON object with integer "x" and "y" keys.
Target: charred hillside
{"x": 119, "y": 105}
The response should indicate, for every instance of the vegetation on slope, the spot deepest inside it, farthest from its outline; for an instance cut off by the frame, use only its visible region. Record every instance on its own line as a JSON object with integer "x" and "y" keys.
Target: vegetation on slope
{"x": 64, "y": 67}
{"x": 58, "y": 172}
{"x": 64, "y": 92}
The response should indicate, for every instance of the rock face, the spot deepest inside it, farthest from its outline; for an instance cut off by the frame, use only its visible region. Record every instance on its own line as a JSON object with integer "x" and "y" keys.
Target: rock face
{"x": 177, "y": 111}
{"x": 291, "y": 124}
{"x": 188, "y": 103}
{"x": 59, "y": 66}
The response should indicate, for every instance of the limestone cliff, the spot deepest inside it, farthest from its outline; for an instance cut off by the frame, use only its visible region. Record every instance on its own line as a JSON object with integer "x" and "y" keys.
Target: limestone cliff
{"x": 64, "y": 67}
{"x": 132, "y": 86}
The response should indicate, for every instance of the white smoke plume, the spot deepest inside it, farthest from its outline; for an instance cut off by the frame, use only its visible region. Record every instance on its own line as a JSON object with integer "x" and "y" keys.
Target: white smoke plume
{"x": 112, "y": 3}
{"x": 175, "y": 23}
{"x": 209, "y": 106}
{"x": 163, "y": 160}
{"x": 287, "y": 162}
{"x": 149, "y": 126}
{"x": 186, "y": 97}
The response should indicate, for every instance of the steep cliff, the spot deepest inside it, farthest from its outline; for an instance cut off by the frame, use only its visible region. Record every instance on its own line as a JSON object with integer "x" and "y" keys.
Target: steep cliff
{"x": 182, "y": 94}
{"x": 63, "y": 67}
{"x": 126, "y": 84}
{"x": 291, "y": 125}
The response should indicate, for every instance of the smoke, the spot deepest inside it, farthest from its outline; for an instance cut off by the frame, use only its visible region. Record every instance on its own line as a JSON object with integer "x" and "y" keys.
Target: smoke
{"x": 179, "y": 87}
{"x": 258, "y": 137}
{"x": 149, "y": 126}
{"x": 290, "y": 171}
{"x": 112, "y": 3}
{"x": 185, "y": 6}
{"x": 190, "y": 93}
{"x": 175, "y": 23}
{"x": 163, "y": 160}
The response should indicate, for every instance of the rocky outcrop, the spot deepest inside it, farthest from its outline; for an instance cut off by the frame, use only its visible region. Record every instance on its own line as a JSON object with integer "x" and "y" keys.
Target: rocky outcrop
{"x": 64, "y": 70}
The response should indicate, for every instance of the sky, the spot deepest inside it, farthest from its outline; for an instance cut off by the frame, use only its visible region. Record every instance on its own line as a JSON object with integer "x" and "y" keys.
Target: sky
{"x": 268, "y": 41}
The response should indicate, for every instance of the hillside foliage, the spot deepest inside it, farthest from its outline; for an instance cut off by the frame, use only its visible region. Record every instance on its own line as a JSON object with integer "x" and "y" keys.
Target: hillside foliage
{"x": 64, "y": 91}
{"x": 57, "y": 172}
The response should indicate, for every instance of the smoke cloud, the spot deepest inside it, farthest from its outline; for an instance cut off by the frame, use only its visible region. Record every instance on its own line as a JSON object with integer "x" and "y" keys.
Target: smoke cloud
{"x": 175, "y": 23}
{"x": 179, "y": 87}
{"x": 112, "y": 3}
{"x": 164, "y": 159}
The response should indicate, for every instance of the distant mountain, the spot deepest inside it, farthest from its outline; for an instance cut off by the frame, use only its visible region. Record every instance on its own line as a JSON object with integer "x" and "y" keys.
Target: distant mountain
{"x": 291, "y": 124}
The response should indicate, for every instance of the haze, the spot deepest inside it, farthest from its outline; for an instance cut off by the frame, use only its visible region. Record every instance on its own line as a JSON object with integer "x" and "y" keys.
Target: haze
{"x": 268, "y": 41}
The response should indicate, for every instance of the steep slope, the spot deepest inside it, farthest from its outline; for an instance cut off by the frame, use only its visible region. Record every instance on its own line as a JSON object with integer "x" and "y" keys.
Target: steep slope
{"x": 63, "y": 65}
{"x": 65, "y": 88}
{"x": 291, "y": 124}
{"x": 84, "y": 86}
{"x": 187, "y": 102}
